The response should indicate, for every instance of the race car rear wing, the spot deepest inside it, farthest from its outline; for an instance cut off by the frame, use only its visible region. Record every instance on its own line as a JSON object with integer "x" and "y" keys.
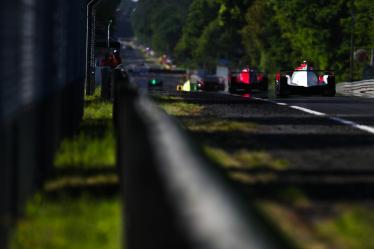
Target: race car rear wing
{"x": 290, "y": 71}
{"x": 237, "y": 72}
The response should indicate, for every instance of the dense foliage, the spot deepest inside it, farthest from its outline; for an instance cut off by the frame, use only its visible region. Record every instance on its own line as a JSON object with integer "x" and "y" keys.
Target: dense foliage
{"x": 270, "y": 34}
{"x": 159, "y": 22}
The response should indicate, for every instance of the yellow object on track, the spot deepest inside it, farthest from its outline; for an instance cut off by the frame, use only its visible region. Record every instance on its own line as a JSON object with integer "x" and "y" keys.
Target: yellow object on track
{"x": 187, "y": 86}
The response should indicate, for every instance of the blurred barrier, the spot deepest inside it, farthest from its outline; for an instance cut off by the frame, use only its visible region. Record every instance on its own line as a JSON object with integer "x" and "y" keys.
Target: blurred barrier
{"x": 173, "y": 197}
{"x": 364, "y": 88}
{"x": 42, "y": 71}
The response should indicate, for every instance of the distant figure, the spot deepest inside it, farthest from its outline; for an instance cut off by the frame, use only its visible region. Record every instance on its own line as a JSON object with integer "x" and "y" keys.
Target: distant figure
{"x": 111, "y": 60}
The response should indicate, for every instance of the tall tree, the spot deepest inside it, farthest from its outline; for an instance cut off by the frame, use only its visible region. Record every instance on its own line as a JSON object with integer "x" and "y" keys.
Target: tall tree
{"x": 200, "y": 14}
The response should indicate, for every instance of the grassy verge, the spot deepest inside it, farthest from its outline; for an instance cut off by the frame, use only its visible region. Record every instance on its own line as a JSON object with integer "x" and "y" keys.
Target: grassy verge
{"x": 324, "y": 225}
{"x": 193, "y": 120}
{"x": 80, "y": 205}
{"x": 352, "y": 226}
{"x": 182, "y": 109}
{"x": 244, "y": 159}
{"x": 74, "y": 223}
{"x": 310, "y": 223}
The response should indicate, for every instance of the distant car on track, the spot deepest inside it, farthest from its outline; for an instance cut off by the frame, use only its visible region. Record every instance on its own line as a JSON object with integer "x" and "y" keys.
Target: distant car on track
{"x": 155, "y": 83}
{"x": 248, "y": 79}
{"x": 205, "y": 82}
{"x": 305, "y": 80}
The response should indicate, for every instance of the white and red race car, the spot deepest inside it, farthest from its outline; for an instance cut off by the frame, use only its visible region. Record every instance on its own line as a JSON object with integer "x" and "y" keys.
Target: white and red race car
{"x": 305, "y": 80}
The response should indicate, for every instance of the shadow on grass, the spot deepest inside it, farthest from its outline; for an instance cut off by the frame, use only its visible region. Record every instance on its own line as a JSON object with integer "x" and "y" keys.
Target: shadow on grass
{"x": 343, "y": 181}
{"x": 96, "y": 127}
{"x": 334, "y": 185}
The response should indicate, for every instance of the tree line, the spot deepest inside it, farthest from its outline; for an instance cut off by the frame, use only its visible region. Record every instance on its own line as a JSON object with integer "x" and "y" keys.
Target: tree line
{"x": 268, "y": 34}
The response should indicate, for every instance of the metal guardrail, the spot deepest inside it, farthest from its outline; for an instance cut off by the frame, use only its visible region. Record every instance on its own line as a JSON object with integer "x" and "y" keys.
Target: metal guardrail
{"x": 364, "y": 88}
{"x": 173, "y": 197}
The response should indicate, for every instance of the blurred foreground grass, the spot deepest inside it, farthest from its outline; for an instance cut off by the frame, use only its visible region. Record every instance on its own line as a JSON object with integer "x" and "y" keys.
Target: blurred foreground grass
{"x": 80, "y": 207}
{"x": 86, "y": 222}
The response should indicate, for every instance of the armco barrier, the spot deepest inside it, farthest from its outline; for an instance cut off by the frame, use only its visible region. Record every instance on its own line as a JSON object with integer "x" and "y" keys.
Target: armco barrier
{"x": 173, "y": 197}
{"x": 364, "y": 88}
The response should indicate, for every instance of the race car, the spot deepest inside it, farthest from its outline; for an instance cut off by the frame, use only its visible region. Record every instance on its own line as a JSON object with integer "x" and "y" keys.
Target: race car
{"x": 205, "y": 82}
{"x": 248, "y": 79}
{"x": 155, "y": 83}
{"x": 305, "y": 80}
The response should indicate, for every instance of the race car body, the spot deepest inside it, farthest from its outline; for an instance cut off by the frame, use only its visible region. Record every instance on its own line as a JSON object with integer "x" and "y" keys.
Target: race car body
{"x": 155, "y": 83}
{"x": 305, "y": 80}
{"x": 206, "y": 82}
{"x": 248, "y": 79}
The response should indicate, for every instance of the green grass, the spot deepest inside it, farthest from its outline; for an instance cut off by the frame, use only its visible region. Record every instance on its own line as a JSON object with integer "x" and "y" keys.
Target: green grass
{"x": 310, "y": 224}
{"x": 294, "y": 228}
{"x": 344, "y": 226}
{"x": 81, "y": 209}
{"x": 98, "y": 110}
{"x": 94, "y": 145}
{"x": 244, "y": 159}
{"x": 182, "y": 109}
{"x": 212, "y": 125}
{"x": 67, "y": 223}
{"x": 352, "y": 227}
{"x": 85, "y": 150}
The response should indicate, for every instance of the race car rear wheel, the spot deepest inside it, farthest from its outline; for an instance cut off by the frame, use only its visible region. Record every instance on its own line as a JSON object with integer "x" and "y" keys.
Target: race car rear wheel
{"x": 330, "y": 90}
{"x": 281, "y": 86}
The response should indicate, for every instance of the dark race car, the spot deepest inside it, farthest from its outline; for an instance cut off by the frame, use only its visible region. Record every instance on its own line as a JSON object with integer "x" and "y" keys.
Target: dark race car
{"x": 305, "y": 80}
{"x": 205, "y": 82}
{"x": 155, "y": 83}
{"x": 248, "y": 79}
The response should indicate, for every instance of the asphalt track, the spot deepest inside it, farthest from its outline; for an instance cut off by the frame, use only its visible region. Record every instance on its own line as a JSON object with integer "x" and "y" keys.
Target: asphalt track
{"x": 328, "y": 141}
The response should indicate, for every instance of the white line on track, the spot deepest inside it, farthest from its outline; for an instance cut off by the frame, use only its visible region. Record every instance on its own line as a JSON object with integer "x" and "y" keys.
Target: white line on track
{"x": 352, "y": 124}
{"x": 308, "y": 110}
